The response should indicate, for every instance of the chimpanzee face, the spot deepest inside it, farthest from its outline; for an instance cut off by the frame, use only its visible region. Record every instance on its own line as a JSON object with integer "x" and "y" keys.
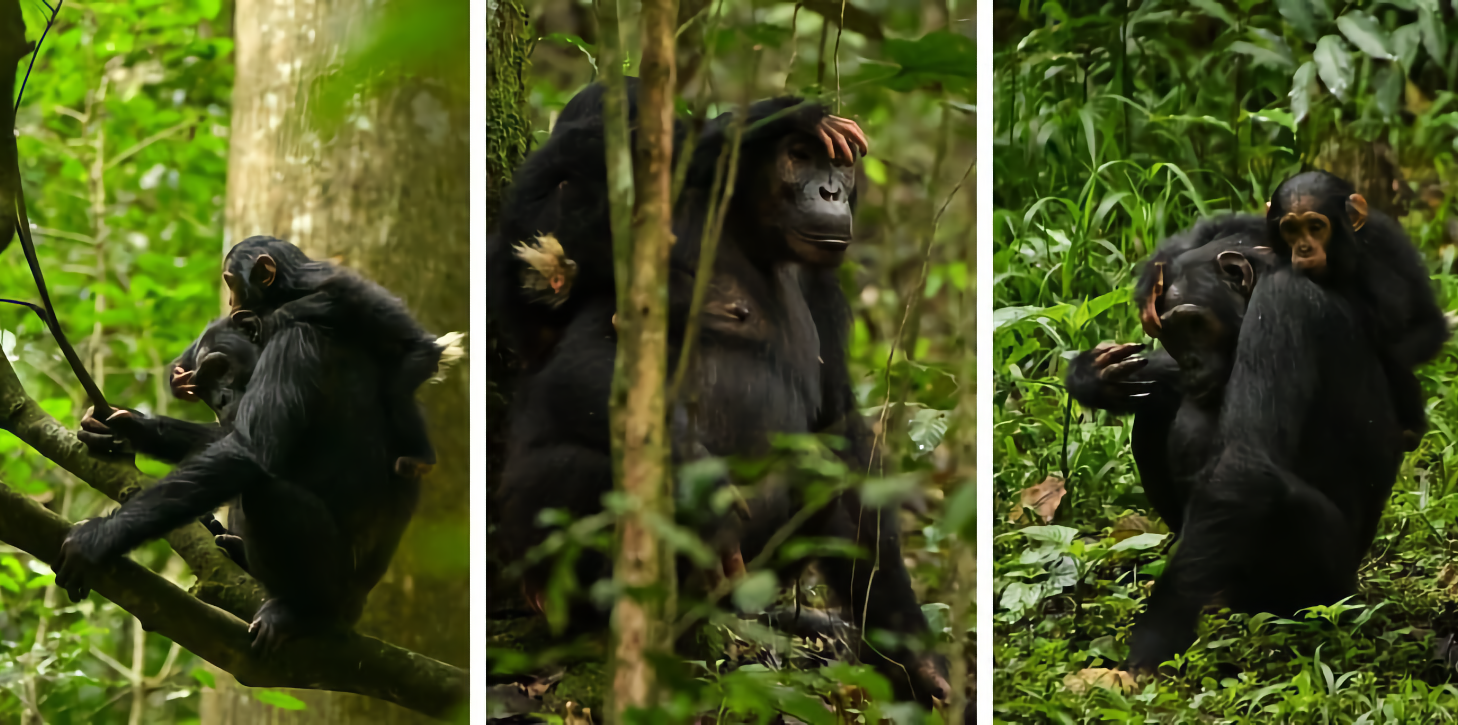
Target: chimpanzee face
{"x": 1308, "y": 210}
{"x": 248, "y": 277}
{"x": 1203, "y": 306}
{"x": 809, "y": 200}
{"x": 226, "y": 359}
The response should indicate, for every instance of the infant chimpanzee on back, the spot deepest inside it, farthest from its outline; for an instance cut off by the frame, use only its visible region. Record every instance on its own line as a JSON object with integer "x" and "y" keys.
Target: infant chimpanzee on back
{"x": 273, "y": 281}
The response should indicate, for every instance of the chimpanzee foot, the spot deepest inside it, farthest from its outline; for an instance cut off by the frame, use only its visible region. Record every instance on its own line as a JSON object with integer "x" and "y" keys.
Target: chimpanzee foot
{"x": 232, "y": 546}
{"x": 411, "y": 467}
{"x": 273, "y": 625}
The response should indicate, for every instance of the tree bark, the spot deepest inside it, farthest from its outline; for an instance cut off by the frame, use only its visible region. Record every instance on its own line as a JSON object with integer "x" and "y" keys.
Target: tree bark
{"x": 643, "y": 570}
{"x": 385, "y": 192}
{"x": 508, "y": 131}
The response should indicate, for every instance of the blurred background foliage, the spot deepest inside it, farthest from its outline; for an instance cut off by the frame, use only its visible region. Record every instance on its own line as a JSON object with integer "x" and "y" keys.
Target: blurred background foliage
{"x": 123, "y": 140}
{"x": 1118, "y": 124}
{"x": 905, "y": 72}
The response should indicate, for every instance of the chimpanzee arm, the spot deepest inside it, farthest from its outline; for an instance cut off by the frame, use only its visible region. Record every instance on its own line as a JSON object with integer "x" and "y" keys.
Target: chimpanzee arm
{"x": 839, "y": 413}
{"x": 1423, "y": 327}
{"x": 1111, "y": 377}
{"x": 198, "y": 486}
{"x": 166, "y": 439}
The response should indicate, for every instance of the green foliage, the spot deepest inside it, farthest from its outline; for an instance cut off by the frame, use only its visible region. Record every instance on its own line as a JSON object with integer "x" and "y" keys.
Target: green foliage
{"x": 123, "y": 140}
{"x": 1102, "y": 149}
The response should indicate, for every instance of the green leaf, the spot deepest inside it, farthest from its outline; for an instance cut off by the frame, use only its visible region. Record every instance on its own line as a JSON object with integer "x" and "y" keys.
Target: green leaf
{"x": 1366, "y": 34}
{"x": 1140, "y": 542}
{"x": 942, "y": 56}
{"x": 1061, "y": 535}
{"x": 280, "y": 700}
{"x": 1301, "y": 91}
{"x": 927, "y": 428}
{"x": 1308, "y": 17}
{"x": 875, "y": 170}
{"x": 1334, "y": 65}
{"x": 1435, "y": 37}
{"x": 756, "y": 591}
{"x": 1405, "y": 43}
{"x": 587, "y": 48}
{"x": 205, "y": 677}
{"x": 1215, "y": 10}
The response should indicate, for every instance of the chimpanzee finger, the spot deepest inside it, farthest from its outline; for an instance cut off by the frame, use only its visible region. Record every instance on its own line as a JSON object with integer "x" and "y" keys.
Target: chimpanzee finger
{"x": 1118, "y": 371}
{"x": 854, "y": 129}
{"x": 842, "y": 149}
{"x": 825, "y": 139}
{"x": 1116, "y": 353}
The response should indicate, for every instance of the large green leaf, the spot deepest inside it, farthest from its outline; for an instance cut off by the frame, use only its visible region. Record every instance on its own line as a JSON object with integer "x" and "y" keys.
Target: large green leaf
{"x": 940, "y": 57}
{"x": 1334, "y": 65}
{"x": 1366, "y": 34}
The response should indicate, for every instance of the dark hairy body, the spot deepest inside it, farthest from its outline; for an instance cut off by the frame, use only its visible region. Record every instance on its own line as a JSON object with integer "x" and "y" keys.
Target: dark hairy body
{"x": 771, "y": 360}
{"x": 1274, "y": 421}
{"x": 306, "y": 452}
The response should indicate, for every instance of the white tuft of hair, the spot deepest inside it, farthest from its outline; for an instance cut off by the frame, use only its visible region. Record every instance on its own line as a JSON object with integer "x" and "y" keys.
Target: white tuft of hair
{"x": 453, "y": 350}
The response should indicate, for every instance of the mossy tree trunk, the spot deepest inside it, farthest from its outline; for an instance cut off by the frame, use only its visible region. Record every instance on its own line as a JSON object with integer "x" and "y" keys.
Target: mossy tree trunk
{"x": 384, "y": 190}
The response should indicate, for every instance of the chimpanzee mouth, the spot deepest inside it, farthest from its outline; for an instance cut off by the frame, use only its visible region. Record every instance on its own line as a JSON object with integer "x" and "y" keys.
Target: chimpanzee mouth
{"x": 823, "y": 241}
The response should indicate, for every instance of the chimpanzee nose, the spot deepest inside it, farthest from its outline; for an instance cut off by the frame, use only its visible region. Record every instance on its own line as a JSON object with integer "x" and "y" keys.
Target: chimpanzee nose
{"x": 831, "y": 192}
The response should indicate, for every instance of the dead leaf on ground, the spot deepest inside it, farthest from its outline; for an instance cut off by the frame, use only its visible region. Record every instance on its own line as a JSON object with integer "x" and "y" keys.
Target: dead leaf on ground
{"x": 1079, "y": 682}
{"x": 1131, "y": 526}
{"x": 1043, "y": 499}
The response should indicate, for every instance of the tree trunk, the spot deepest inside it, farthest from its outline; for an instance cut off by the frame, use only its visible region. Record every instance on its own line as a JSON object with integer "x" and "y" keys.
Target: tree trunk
{"x": 508, "y": 129}
{"x": 644, "y": 570}
{"x": 387, "y": 192}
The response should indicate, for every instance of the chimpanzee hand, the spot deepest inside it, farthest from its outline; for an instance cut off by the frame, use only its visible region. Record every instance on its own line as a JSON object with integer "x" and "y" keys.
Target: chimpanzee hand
{"x": 81, "y": 551}
{"x": 109, "y": 439}
{"x": 182, "y": 387}
{"x": 1104, "y": 372}
{"x": 837, "y": 134}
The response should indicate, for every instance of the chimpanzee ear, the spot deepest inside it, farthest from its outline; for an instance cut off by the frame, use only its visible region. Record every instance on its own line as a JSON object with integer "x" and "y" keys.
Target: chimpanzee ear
{"x": 264, "y": 270}
{"x": 1357, "y": 210}
{"x": 1237, "y": 266}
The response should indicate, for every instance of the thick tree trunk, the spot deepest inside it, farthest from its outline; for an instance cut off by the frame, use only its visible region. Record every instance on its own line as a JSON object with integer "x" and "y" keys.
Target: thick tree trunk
{"x": 388, "y": 192}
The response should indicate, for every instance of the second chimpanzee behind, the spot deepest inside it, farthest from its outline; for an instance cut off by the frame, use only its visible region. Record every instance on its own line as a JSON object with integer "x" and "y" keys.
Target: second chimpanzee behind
{"x": 1330, "y": 235}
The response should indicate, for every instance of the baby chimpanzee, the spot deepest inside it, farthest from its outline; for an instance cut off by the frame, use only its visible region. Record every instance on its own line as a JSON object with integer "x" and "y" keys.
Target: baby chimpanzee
{"x": 273, "y": 282}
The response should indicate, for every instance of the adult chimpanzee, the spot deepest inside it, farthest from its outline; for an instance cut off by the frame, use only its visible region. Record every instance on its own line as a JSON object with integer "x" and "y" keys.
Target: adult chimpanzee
{"x": 1116, "y": 379}
{"x": 267, "y": 275}
{"x": 1225, "y": 475}
{"x": 309, "y": 458}
{"x": 1325, "y": 227}
{"x": 772, "y": 361}
{"x": 551, "y": 254}
{"x": 221, "y": 361}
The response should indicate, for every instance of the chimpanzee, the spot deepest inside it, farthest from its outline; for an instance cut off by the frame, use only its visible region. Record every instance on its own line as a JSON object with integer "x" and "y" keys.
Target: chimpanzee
{"x": 1148, "y": 287}
{"x": 552, "y": 251}
{"x": 268, "y": 275}
{"x": 309, "y": 458}
{"x": 1115, "y": 378}
{"x": 1229, "y": 479}
{"x": 772, "y": 360}
{"x": 1325, "y": 227}
{"x": 222, "y": 361}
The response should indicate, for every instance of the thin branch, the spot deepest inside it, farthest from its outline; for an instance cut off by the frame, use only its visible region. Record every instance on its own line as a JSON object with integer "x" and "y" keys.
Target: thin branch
{"x": 144, "y": 143}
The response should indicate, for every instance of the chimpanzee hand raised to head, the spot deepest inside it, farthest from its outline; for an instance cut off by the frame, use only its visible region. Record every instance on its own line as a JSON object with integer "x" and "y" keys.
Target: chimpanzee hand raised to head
{"x": 835, "y": 132}
{"x": 1104, "y": 377}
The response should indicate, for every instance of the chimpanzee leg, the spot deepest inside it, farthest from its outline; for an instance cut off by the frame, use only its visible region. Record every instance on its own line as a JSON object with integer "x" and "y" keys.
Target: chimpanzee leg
{"x": 880, "y": 597}
{"x": 1407, "y": 400}
{"x": 563, "y": 476}
{"x": 305, "y": 593}
{"x": 196, "y": 487}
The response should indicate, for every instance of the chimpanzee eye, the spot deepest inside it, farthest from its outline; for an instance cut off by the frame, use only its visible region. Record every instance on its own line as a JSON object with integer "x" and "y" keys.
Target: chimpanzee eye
{"x": 800, "y": 152}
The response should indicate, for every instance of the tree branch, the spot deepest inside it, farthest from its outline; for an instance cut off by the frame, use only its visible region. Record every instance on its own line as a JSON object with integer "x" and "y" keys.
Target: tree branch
{"x": 349, "y": 663}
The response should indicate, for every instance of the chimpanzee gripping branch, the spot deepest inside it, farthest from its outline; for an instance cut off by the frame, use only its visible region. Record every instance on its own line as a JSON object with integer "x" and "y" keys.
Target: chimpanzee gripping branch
{"x": 218, "y": 634}
{"x": 351, "y": 663}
